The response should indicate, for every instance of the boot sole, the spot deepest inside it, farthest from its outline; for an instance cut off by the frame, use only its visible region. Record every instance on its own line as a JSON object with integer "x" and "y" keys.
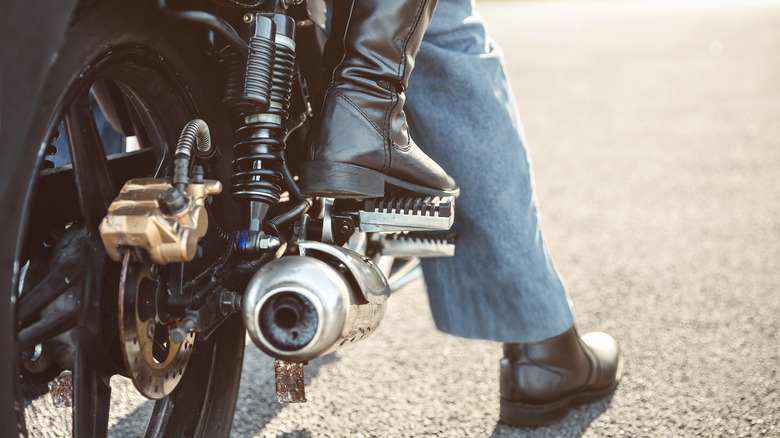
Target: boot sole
{"x": 343, "y": 180}
{"x": 530, "y": 415}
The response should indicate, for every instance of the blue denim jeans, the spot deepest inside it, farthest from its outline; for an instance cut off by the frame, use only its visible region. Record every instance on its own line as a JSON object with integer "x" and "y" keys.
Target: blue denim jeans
{"x": 501, "y": 285}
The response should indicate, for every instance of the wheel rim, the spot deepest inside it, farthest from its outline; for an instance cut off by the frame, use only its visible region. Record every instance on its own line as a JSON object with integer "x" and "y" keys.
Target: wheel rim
{"x": 88, "y": 179}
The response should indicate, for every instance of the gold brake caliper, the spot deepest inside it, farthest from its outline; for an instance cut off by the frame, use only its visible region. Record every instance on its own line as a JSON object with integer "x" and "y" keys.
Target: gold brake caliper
{"x": 138, "y": 218}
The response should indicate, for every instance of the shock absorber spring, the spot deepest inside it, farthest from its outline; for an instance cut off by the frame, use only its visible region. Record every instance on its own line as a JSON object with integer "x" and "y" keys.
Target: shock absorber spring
{"x": 257, "y": 168}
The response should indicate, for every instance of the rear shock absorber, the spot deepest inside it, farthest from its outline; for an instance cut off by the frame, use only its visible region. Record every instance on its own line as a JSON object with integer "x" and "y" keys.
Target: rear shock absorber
{"x": 260, "y": 89}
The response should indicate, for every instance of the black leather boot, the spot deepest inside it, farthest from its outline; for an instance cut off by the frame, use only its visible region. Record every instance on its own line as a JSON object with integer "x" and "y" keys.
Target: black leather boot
{"x": 361, "y": 142}
{"x": 540, "y": 381}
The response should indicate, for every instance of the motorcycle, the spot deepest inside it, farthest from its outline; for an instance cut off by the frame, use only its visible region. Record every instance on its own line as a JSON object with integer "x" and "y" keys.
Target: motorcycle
{"x": 123, "y": 123}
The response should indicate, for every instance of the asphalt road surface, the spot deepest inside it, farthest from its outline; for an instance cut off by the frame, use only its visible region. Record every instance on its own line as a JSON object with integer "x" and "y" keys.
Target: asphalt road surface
{"x": 655, "y": 132}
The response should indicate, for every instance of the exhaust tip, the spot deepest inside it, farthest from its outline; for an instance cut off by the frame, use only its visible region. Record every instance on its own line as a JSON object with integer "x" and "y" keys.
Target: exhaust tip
{"x": 288, "y": 320}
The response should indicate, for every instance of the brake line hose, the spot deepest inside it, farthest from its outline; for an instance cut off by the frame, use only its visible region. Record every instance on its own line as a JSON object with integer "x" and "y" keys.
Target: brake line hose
{"x": 195, "y": 136}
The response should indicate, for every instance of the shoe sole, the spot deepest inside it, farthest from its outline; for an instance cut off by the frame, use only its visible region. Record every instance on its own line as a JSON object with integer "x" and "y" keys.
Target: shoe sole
{"x": 343, "y": 180}
{"x": 530, "y": 415}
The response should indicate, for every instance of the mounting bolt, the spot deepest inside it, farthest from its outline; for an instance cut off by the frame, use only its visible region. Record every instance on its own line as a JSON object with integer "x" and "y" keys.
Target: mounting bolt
{"x": 248, "y": 18}
{"x": 230, "y": 302}
{"x": 269, "y": 242}
{"x": 150, "y": 329}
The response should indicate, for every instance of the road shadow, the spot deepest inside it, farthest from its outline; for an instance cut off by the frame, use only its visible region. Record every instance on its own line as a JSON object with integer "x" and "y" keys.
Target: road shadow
{"x": 256, "y": 405}
{"x": 572, "y": 426}
{"x": 296, "y": 434}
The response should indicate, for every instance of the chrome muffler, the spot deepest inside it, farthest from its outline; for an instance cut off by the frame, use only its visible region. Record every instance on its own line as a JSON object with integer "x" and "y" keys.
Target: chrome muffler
{"x": 298, "y": 308}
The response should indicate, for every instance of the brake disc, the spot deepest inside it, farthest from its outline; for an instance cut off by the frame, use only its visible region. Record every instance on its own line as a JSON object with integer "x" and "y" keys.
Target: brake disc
{"x": 154, "y": 362}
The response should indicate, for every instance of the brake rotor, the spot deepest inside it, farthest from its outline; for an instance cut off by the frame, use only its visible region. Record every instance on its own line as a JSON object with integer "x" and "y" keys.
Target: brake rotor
{"x": 155, "y": 363}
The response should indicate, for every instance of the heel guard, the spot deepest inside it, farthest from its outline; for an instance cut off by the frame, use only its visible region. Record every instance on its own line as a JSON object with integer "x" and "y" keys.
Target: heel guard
{"x": 394, "y": 214}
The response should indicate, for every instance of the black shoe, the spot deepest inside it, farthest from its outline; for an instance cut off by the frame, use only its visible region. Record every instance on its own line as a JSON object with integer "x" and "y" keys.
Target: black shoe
{"x": 540, "y": 381}
{"x": 361, "y": 142}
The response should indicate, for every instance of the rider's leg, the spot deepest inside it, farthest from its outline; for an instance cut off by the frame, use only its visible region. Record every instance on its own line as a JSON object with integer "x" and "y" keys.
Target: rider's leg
{"x": 361, "y": 142}
{"x": 501, "y": 285}
{"x": 463, "y": 111}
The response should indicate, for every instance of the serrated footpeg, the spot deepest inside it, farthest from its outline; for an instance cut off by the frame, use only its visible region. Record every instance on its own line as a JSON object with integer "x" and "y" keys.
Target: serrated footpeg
{"x": 418, "y": 244}
{"x": 401, "y": 213}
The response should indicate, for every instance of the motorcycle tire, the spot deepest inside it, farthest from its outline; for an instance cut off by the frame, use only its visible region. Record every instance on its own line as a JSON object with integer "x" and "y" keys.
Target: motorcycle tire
{"x": 164, "y": 75}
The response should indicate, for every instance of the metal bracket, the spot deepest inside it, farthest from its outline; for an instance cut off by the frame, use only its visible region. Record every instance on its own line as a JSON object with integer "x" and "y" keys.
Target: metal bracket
{"x": 343, "y": 228}
{"x": 209, "y": 316}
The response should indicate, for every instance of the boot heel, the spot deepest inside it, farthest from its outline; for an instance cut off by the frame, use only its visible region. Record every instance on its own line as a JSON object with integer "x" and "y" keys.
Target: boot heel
{"x": 341, "y": 180}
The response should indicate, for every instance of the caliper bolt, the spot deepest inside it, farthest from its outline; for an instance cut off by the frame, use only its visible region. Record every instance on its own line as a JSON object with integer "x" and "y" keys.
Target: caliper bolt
{"x": 197, "y": 175}
{"x": 174, "y": 200}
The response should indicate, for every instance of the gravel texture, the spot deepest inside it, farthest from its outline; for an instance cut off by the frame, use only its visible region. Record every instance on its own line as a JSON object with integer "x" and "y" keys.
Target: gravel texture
{"x": 655, "y": 132}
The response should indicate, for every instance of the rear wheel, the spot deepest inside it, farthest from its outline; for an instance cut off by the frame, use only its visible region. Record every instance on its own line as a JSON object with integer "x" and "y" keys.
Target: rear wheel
{"x": 121, "y": 88}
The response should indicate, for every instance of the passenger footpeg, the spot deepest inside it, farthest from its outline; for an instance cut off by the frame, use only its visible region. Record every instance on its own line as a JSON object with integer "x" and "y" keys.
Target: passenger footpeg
{"x": 394, "y": 214}
{"x": 418, "y": 244}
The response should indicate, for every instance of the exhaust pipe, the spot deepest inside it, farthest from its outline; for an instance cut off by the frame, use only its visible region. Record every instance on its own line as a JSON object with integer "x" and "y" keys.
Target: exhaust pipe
{"x": 298, "y": 308}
